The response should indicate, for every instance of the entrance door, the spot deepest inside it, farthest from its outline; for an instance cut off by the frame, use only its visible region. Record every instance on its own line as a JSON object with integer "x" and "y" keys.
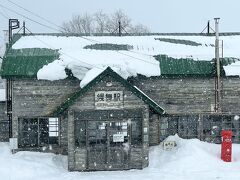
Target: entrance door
{"x": 97, "y": 145}
{"x": 107, "y": 145}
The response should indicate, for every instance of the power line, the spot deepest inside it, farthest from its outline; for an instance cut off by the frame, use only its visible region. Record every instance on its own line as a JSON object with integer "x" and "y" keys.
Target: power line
{"x": 79, "y": 36}
{"x": 46, "y": 20}
{"x": 6, "y": 14}
{"x": 91, "y": 40}
{"x": 71, "y": 57}
{"x": 3, "y": 15}
{"x": 28, "y": 18}
{"x": 78, "y": 60}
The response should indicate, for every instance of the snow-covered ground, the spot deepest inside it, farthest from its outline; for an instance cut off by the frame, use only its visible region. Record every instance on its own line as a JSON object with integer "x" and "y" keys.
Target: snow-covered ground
{"x": 190, "y": 160}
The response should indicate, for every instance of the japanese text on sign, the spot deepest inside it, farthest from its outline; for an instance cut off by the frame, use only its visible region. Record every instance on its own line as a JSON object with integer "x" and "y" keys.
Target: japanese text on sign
{"x": 108, "y": 99}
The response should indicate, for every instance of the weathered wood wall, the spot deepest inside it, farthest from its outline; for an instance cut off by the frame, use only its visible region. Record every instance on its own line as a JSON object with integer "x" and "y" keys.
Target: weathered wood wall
{"x": 180, "y": 95}
{"x": 231, "y": 95}
{"x": 77, "y": 156}
{"x": 4, "y": 126}
{"x": 191, "y": 95}
{"x": 38, "y": 98}
{"x": 154, "y": 129}
{"x": 176, "y": 95}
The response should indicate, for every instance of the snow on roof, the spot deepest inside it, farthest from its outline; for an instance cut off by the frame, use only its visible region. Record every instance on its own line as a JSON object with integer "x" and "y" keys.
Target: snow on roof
{"x": 2, "y": 95}
{"x": 232, "y": 69}
{"x": 137, "y": 60}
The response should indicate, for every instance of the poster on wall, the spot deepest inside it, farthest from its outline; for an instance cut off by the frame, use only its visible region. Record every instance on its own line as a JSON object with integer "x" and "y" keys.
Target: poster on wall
{"x": 108, "y": 99}
{"x": 118, "y": 138}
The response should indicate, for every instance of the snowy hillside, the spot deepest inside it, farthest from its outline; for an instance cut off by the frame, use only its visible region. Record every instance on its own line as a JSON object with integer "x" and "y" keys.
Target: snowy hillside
{"x": 190, "y": 160}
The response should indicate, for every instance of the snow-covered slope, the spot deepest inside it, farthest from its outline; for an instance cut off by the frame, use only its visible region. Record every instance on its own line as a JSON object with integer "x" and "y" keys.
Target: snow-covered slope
{"x": 139, "y": 59}
{"x": 190, "y": 160}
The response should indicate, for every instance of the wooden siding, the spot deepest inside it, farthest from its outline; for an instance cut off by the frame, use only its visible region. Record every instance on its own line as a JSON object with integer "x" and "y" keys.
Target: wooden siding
{"x": 231, "y": 96}
{"x": 4, "y": 125}
{"x": 191, "y": 95}
{"x": 3, "y": 111}
{"x": 38, "y": 98}
{"x": 154, "y": 136}
{"x": 139, "y": 156}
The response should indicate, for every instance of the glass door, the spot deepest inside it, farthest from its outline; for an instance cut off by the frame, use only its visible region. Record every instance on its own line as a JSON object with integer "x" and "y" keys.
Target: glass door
{"x": 108, "y": 145}
{"x": 97, "y": 145}
{"x": 118, "y": 150}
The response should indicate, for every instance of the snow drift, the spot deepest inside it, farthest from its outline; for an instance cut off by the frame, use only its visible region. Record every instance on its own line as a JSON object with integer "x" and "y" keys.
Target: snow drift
{"x": 190, "y": 160}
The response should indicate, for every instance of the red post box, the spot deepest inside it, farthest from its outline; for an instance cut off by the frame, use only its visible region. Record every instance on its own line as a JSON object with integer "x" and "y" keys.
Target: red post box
{"x": 226, "y": 149}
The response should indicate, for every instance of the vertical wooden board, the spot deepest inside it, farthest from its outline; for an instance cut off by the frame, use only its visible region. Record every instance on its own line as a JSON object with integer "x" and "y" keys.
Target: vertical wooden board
{"x": 154, "y": 137}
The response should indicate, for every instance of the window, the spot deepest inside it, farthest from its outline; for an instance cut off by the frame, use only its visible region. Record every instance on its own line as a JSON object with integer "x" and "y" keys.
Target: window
{"x": 34, "y": 132}
{"x": 136, "y": 131}
{"x": 28, "y": 132}
{"x": 183, "y": 125}
{"x": 53, "y": 127}
{"x": 53, "y": 130}
{"x": 80, "y": 133}
{"x": 214, "y": 124}
{"x": 163, "y": 128}
{"x": 4, "y": 130}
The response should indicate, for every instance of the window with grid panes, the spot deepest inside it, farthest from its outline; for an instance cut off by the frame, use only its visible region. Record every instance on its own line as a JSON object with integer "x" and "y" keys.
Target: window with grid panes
{"x": 34, "y": 132}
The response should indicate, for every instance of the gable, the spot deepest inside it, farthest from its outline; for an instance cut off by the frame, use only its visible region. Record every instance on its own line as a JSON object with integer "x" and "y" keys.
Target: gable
{"x": 109, "y": 72}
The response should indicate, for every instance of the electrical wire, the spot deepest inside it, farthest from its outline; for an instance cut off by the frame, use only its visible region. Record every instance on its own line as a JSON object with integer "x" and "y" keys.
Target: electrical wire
{"x": 29, "y": 18}
{"x": 71, "y": 57}
{"x": 79, "y": 36}
{"x": 35, "y": 14}
{"x": 95, "y": 41}
{"x": 3, "y": 15}
{"x": 140, "y": 59}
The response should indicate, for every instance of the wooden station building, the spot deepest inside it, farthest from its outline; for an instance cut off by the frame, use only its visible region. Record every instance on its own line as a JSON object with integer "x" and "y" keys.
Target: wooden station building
{"x": 110, "y": 123}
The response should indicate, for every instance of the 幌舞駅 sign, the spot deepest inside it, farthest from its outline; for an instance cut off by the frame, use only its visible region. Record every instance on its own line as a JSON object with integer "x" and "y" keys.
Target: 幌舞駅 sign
{"x": 108, "y": 99}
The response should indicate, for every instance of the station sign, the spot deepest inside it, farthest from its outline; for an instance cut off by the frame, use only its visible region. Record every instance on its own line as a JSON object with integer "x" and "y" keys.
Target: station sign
{"x": 108, "y": 99}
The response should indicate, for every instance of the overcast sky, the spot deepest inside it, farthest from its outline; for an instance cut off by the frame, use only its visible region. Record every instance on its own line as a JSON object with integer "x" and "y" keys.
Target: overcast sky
{"x": 158, "y": 15}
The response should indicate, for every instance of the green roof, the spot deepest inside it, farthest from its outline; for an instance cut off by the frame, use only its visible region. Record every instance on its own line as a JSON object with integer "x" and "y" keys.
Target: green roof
{"x": 170, "y": 66}
{"x": 70, "y": 101}
{"x": 26, "y": 62}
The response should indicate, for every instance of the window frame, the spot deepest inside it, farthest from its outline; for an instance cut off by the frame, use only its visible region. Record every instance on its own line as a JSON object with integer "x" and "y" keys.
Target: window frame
{"x": 43, "y": 132}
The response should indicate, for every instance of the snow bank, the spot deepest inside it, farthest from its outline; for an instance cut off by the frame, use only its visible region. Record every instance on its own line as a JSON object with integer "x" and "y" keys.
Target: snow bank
{"x": 189, "y": 160}
{"x": 140, "y": 58}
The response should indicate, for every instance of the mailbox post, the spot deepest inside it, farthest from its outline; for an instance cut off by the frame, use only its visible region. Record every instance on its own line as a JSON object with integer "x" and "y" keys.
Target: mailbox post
{"x": 226, "y": 149}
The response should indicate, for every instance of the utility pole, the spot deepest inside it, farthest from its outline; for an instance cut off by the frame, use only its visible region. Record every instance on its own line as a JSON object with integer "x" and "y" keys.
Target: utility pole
{"x": 218, "y": 80}
{"x": 13, "y": 24}
{"x": 208, "y": 27}
{"x": 24, "y": 28}
{"x": 119, "y": 28}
